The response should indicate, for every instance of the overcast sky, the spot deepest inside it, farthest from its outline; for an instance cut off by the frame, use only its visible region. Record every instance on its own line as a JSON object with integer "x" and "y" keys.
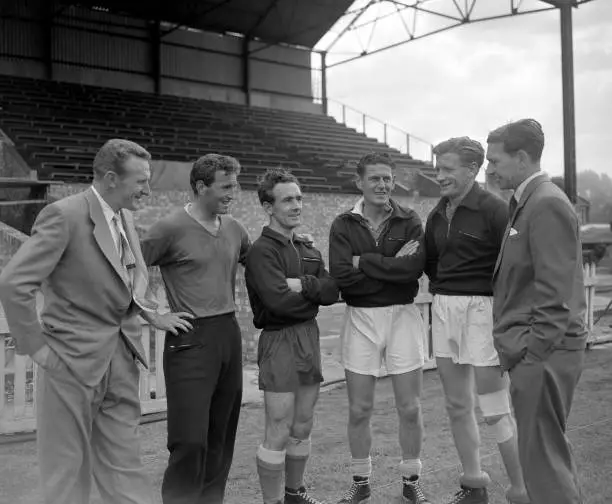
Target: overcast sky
{"x": 472, "y": 79}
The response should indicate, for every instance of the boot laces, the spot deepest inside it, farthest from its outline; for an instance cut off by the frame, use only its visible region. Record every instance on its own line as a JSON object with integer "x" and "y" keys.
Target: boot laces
{"x": 460, "y": 495}
{"x": 351, "y": 492}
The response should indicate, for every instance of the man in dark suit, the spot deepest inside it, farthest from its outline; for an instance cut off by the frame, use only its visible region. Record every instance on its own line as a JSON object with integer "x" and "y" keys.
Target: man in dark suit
{"x": 85, "y": 254}
{"x": 538, "y": 310}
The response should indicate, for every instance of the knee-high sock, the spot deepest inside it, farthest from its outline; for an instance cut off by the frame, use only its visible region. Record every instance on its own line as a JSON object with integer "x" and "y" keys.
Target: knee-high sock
{"x": 270, "y": 467}
{"x": 298, "y": 451}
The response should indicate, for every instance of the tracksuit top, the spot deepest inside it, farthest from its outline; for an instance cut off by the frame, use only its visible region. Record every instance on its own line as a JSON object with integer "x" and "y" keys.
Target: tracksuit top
{"x": 381, "y": 278}
{"x": 461, "y": 254}
{"x": 270, "y": 261}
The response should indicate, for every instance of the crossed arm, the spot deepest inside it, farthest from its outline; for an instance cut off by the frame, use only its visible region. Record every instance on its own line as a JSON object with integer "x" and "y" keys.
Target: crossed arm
{"x": 407, "y": 265}
{"x": 294, "y": 297}
{"x": 349, "y": 279}
{"x": 320, "y": 289}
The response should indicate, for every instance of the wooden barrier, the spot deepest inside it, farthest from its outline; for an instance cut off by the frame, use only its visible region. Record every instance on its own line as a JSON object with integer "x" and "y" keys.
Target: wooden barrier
{"x": 18, "y": 373}
{"x": 18, "y": 378}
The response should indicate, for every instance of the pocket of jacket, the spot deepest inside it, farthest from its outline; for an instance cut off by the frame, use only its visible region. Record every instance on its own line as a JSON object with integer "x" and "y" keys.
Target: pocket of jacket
{"x": 471, "y": 236}
{"x": 310, "y": 265}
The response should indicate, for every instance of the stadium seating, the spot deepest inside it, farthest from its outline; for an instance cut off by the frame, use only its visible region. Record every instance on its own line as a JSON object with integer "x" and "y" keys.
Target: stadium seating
{"x": 58, "y": 127}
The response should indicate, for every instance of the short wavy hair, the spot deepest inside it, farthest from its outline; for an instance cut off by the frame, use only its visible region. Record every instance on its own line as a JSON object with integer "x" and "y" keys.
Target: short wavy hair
{"x": 373, "y": 158}
{"x": 205, "y": 167}
{"x": 469, "y": 151}
{"x": 526, "y": 135}
{"x": 113, "y": 154}
{"x": 269, "y": 180}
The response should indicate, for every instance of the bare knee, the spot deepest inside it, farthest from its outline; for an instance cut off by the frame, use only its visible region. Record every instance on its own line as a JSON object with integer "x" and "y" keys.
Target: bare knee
{"x": 459, "y": 409}
{"x": 360, "y": 412}
{"x": 302, "y": 427}
{"x": 278, "y": 431}
{"x": 410, "y": 411}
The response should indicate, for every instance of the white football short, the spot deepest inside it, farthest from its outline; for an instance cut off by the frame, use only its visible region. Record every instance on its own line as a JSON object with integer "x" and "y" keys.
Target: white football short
{"x": 462, "y": 329}
{"x": 391, "y": 334}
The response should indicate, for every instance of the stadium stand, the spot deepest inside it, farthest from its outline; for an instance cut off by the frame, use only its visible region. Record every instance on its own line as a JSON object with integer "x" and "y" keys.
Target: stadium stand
{"x": 57, "y": 127}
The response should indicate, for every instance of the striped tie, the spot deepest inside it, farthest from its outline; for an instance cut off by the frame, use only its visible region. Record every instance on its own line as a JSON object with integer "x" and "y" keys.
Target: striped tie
{"x": 128, "y": 261}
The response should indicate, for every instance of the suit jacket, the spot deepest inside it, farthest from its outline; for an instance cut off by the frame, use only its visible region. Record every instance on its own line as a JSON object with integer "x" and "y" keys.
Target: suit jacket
{"x": 87, "y": 302}
{"x": 539, "y": 299}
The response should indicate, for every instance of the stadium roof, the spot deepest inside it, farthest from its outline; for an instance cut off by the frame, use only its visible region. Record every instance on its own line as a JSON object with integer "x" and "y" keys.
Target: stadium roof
{"x": 371, "y": 26}
{"x": 296, "y": 22}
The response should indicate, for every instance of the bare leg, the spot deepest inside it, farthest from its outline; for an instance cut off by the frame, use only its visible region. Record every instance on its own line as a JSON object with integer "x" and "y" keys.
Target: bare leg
{"x": 279, "y": 408}
{"x": 298, "y": 448}
{"x": 407, "y": 389}
{"x": 489, "y": 380}
{"x": 458, "y": 384}
{"x": 360, "y": 390}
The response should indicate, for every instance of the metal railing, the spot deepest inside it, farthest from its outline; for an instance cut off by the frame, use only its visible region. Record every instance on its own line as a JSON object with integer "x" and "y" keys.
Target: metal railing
{"x": 393, "y": 136}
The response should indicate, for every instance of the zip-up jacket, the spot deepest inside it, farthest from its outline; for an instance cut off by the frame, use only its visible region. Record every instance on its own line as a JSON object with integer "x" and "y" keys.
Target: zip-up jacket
{"x": 270, "y": 261}
{"x": 381, "y": 278}
{"x": 461, "y": 254}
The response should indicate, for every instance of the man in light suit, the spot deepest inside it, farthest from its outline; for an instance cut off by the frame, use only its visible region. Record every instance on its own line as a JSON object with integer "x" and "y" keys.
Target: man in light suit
{"x": 538, "y": 310}
{"x": 85, "y": 255}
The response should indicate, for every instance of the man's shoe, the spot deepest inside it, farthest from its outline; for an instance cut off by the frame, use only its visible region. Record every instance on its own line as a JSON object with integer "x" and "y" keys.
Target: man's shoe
{"x": 469, "y": 495}
{"x": 299, "y": 496}
{"x": 412, "y": 492}
{"x": 359, "y": 493}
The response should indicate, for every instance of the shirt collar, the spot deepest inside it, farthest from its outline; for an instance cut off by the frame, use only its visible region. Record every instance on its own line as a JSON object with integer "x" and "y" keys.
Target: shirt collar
{"x": 470, "y": 200}
{"x": 358, "y": 208}
{"x": 518, "y": 193}
{"x": 275, "y": 235}
{"x": 108, "y": 212}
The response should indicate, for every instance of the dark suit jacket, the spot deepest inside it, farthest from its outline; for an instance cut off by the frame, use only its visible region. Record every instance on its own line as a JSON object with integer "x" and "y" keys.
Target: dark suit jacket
{"x": 539, "y": 298}
{"x": 72, "y": 256}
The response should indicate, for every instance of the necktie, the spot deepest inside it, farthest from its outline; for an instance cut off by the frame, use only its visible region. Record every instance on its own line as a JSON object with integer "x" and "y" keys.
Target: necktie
{"x": 513, "y": 205}
{"x": 125, "y": 252}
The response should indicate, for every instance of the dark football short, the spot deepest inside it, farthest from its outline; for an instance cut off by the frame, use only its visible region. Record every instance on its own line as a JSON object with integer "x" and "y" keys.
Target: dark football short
{"x": 289, "y": 358}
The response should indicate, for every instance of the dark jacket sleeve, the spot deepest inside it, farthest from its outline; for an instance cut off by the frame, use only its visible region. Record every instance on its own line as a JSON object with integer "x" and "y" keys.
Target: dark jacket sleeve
{"x": 431, "y": 250}
{"x": 554, "y": 236}
{"x": 266, "y": 277}
{"x": 349, "y": 279}
{"x": 397, "y": 269}
{"x": 321, "y": 289}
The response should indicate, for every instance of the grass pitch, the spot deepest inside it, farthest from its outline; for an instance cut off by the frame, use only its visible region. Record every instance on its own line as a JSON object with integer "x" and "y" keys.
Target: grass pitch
{"x": 590, "y": 431}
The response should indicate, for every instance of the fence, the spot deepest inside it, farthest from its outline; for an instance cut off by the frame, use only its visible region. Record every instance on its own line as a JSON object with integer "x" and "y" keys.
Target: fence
{"x": 18, "y": 378}
{"x": 18, "y": 373}
{"x": 394, "y": 137}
